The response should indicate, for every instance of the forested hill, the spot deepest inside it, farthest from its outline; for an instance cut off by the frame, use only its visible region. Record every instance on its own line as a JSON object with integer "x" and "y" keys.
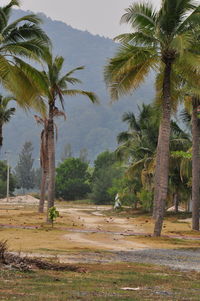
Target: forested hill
{"x": 94, "y": 127}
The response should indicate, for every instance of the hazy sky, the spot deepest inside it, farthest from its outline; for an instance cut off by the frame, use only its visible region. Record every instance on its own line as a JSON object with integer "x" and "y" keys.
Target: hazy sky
{"x": 97, "y": 16}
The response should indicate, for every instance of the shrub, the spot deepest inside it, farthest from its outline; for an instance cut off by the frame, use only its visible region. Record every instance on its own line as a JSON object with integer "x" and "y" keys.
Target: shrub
{"x": 72, "y": 179}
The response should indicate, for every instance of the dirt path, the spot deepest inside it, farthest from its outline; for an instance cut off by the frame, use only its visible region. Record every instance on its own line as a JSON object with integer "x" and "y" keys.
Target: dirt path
{"x": 104, "y": 233}
{"x": 113, "y": 238}
{"x": 85, "y": 234}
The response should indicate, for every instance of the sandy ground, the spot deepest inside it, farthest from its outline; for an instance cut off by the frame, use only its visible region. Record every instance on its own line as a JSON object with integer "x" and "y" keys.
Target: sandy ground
{"x": 21, "y": 199}
{"x": 95, "y": 221}
{"x": 86, "y": 234}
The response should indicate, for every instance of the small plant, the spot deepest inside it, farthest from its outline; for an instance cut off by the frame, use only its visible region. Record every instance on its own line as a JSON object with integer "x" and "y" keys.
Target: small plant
{"x": 53, "y": 214}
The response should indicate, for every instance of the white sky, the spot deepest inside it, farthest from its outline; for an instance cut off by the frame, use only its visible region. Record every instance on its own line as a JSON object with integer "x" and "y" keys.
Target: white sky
{"x": 97, "y": 16}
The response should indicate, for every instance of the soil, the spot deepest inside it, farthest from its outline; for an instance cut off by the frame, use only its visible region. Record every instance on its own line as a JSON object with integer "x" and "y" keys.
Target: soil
{"x": 97, "y": 238}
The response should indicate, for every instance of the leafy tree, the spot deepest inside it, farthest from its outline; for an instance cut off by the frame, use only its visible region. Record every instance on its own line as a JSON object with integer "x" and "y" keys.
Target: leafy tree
{"x": 24, "y": 171}
{"x": 72, "y": 179}
{"x": 155, "y": 44}
{"x": 103, "y": 160}
{"x": 3, "y": 180}
{"x": 106, "y": 170}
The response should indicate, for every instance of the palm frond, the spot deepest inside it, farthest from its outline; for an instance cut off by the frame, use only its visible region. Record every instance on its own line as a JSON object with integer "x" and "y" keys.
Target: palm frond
{"x": 173, "y": 13}
{"x": 140, "y": 16}
{"x": 128, "y": 69}
{"x": 130, "y": 118}
{"x": 27, "y": 31}
{"x": 124, "y": 137}
{"x": 92, "y": 96}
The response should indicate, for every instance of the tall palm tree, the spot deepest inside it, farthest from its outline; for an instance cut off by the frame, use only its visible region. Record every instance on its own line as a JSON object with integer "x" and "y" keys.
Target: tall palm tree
{"x": 53, "y": 85}
{"x": 21, "y": 38}
{"x": 159, "y": 39}
{"x": 5, "y": 114}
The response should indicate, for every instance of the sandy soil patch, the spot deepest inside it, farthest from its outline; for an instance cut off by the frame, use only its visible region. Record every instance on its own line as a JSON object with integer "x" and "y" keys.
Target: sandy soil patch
{"x": 103, "y": 241}
{"x": 20, "y": 199}
{"x": 96, "y": 220}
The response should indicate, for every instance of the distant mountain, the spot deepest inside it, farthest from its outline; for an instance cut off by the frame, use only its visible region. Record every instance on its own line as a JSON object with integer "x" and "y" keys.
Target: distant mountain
{"x": 94, "y": 127}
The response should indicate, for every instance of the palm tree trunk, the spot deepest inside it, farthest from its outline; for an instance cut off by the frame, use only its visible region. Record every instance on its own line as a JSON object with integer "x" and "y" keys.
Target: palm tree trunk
{"x": 157, "y": 178}
{"x": 44, "y": 161}
{"x": 195, "y": 166}
{"x": 162, "y": 161}
{"x": 43, "y": 191}
{"x": 51, "y": 158}
{"x": 176, "y": 202}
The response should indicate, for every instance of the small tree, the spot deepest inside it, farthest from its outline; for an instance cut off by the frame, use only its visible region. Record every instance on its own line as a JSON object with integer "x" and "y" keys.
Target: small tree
{"x": 53, "y": 214}
{"x": 72, "y": 179}
{"x": 24, "y": 170}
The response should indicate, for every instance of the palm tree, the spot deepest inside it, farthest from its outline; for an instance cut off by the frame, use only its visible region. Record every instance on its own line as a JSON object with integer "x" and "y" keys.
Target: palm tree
{"x": 159, "y": 39}
{"x": 21, "y": 38}
{"x": 5, "y": 114}
{"x": 53, "y": 86}
{"x": 137, "y": 147}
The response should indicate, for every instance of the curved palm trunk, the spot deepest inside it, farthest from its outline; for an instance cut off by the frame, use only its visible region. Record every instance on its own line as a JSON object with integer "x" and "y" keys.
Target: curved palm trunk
{"x": 162, "y": 160}
{"x": 51, "y": 157}
{"x": 195, "y": 167}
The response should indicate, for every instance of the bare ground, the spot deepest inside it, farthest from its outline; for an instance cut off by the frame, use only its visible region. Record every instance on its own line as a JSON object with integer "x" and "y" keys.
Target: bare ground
{"x": 93, "y": 237}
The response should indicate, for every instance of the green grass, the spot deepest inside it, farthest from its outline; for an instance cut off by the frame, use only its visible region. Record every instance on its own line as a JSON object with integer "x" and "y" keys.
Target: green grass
{"x": 101, "y": 282}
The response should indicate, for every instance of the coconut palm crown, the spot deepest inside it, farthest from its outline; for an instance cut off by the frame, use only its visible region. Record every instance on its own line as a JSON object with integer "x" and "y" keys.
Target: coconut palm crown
{"x": 19, "y": 39}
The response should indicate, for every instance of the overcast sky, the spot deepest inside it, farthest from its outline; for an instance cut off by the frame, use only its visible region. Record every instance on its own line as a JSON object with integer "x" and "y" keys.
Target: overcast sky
{"x": 97, "y": 16}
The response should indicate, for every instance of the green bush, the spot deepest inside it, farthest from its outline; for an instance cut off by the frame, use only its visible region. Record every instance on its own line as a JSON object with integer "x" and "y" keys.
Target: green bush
{"x": 106, "y": 170}
{"x": 72, "y": 179}
{"x": 124, "y": 187}
{"x": 146, "y": 199}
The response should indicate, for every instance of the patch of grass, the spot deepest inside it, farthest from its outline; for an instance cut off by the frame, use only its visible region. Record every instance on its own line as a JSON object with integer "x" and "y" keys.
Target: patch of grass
{"x": 170, "y": 241}
{"x": 75, "y": 202}
{"x": 101, "y": 283}
{"x": 127, "y": 212}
